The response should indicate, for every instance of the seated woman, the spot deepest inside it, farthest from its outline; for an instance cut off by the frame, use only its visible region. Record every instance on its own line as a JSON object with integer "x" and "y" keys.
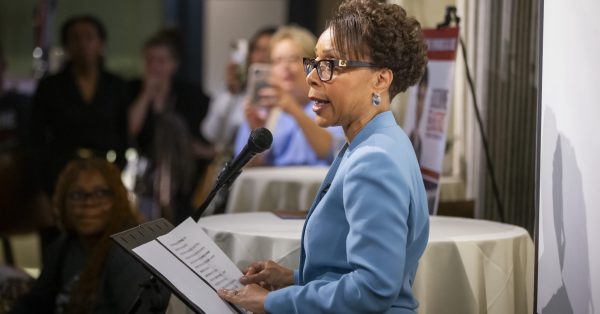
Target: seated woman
{"x": 297, "y": 139}
{"x": 369, "y": 224}
{"x": 85, "y": 272}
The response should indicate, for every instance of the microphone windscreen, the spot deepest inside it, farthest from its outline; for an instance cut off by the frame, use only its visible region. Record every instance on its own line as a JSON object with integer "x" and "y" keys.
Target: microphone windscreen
{"x": 260, "y": 140}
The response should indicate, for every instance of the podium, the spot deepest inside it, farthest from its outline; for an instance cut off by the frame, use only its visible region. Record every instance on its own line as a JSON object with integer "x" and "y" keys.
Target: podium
{"x": 185, "y": 260}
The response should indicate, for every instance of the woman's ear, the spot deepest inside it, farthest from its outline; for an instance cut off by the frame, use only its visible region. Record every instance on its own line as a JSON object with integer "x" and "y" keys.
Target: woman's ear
{"x": 383, "y": 80}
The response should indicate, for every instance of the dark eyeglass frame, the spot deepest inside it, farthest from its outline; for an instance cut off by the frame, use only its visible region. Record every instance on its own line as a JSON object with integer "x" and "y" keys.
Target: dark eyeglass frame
{"x": 97, "y": 195}
{"x": 310, "y": 64}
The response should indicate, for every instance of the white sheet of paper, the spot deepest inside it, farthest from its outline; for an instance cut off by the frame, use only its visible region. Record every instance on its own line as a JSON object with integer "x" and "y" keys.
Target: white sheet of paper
{"x": 198, "y": 251}
{"x": 202, "y": 257}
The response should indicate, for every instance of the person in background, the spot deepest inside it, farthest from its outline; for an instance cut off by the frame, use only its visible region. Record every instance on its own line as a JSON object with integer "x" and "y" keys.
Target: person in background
{"x": 297, "y": 139}
{"x": 369, "y": 224}
{"x": 226, "y": 111}
{"x": 79, "y": 112}
{"x": 226, "y": 114}
{"x": 164, "y": 119}
{"x": 86, "y": 272}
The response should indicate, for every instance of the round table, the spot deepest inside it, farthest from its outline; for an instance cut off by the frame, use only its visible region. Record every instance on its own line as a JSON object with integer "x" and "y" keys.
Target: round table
{"x": 469, "y": 266}
{"x": 273, "y": 188}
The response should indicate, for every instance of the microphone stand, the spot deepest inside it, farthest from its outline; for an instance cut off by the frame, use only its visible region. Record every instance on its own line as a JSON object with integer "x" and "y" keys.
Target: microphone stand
{"x": 220, "y": 184}
{"x": 152, "y": 283}
{"x": 259, "y": 141}
{"x": 147, "y": 287}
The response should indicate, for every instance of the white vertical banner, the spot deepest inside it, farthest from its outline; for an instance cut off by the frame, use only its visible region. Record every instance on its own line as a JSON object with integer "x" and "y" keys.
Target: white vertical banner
{"x": 428, "y": 109}
{"x": 568, "y": 237}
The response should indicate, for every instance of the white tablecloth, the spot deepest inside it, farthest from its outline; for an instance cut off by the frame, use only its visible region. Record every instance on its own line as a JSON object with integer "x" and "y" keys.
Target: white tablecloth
{"x": 469, "y": 266}
{"x": 271, "y": 188}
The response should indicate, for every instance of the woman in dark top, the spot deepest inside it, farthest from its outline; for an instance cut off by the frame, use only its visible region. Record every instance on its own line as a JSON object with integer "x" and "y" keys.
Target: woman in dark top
{"x": 85, "y": 272}
{"x": 80, "y": 111}
{"x": 164, "y": 121}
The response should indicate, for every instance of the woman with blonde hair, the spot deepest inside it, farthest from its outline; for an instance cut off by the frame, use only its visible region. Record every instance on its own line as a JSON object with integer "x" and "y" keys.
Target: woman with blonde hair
{"x": 85, "y": 272}
{"x": 297, "y": 139}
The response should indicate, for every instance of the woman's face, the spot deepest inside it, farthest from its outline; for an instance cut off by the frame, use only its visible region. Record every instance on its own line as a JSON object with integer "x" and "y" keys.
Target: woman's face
{"x": 288, "y": 70}
{"x": 347, "y": 96}
{"x": 159, "y": 63}
{"x": 260, "y": 51}
{"x": 84, "y": 44}
{"x": 89, "y": 203}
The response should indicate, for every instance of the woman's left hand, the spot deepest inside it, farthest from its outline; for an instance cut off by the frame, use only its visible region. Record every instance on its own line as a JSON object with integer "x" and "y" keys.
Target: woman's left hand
{"x": 251, "y": 297}
{"x": 273, "y": 96}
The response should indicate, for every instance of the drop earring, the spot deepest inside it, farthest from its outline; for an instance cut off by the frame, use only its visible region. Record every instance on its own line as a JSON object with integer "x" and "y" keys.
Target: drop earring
{"x": 376, "y": 99}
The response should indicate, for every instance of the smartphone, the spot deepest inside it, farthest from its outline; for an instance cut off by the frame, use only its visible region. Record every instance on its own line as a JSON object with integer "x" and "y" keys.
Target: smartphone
{"x": 259, "y": 74}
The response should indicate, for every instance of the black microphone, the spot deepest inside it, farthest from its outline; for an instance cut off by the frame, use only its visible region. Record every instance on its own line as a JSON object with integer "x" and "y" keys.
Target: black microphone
{"x": 259, "y": 141}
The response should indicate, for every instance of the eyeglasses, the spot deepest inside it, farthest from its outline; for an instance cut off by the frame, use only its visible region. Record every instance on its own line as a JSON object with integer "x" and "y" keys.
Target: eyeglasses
{"x": 325, "y": 67}
{"x": 97, "y": 195}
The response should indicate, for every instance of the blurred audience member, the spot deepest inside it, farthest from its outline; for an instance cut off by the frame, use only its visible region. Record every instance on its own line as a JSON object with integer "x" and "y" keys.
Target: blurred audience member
{"x": 164, "y": 120}
{"x": 86, "y": 272}
{"x": 226, "y": 111}
{"x": 81, "y": 111}
{"x": 297, "y": 139}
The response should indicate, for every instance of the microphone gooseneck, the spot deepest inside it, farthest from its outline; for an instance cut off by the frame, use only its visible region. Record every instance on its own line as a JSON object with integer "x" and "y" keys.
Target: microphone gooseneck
{"x": 259, "y": 140}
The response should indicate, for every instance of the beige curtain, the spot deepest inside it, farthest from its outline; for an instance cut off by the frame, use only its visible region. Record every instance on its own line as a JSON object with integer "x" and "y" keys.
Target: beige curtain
{"x": 501, "y": 36}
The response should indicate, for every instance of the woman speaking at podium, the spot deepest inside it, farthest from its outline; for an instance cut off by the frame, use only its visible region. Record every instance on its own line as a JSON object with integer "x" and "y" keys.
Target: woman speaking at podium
{"x": 369, "y": 223}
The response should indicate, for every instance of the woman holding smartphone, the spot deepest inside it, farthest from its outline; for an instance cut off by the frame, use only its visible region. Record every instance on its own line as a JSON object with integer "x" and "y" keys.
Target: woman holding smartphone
{"x": 297, "y": 139}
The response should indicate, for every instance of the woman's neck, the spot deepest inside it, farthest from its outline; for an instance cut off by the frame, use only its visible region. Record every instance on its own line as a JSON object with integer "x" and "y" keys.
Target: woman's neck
{"x": 354, "y": 127}
{"x": 86, "y": 78}
{"x": 85, "y": 71}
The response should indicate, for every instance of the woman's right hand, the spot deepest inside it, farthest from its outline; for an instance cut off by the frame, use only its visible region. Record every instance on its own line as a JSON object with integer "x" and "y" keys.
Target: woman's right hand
{"x": 269, "y": 275}
{"x": 151, "y": 86}
{"x": 256, "y": 119}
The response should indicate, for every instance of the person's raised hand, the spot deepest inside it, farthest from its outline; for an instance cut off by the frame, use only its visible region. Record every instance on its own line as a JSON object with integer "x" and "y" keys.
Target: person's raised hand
{"x": 268, "y": 275}
{"x": 274, "y": 96}
{"x": 156, "y": 90}
{"x": 151, "y": 86}
{"x": 255, "y": 117}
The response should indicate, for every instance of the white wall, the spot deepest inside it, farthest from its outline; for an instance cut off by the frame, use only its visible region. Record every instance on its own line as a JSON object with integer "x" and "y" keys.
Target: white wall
{"x": 228, "y": 20}
{"x": 569, "y": 209}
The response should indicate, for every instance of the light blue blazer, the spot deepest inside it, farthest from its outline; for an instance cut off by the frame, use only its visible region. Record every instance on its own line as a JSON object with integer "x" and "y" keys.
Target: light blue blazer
{"x": 365, "y": 232}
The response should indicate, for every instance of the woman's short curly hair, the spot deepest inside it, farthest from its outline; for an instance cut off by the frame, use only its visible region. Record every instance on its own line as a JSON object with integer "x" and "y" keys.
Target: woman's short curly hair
{"x": 383, "y": 33}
